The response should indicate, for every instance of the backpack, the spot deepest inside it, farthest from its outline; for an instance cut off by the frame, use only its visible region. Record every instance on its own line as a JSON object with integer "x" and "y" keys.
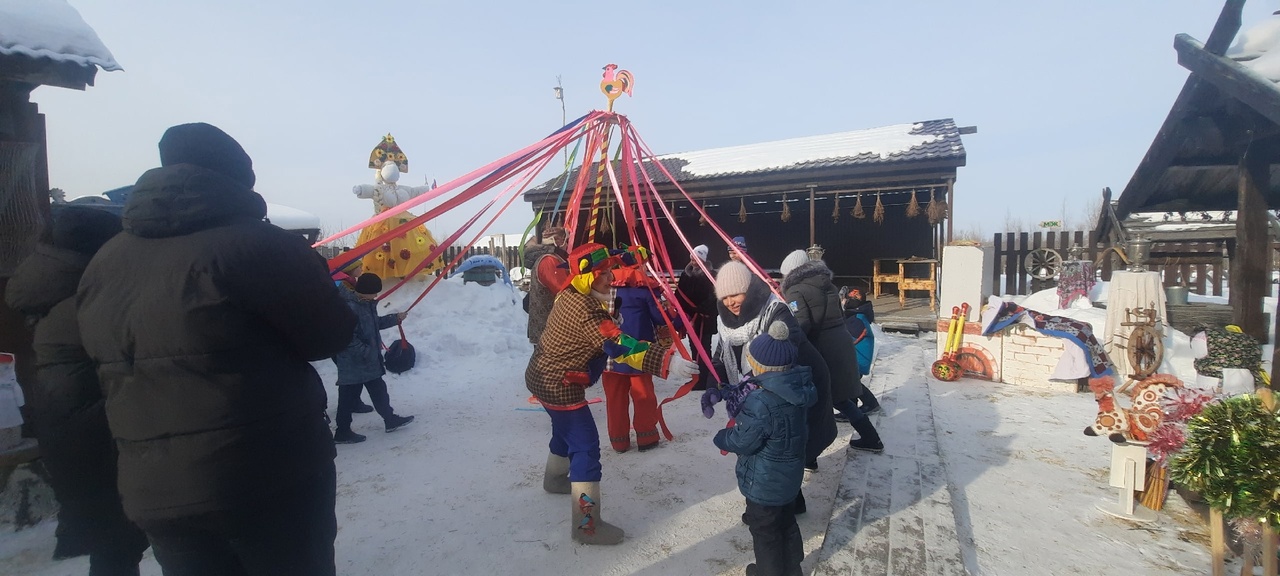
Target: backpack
{"x": 400, "y": 356}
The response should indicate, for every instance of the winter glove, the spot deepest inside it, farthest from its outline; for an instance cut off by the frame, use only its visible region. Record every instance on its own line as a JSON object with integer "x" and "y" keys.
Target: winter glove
{"x": 735, "y": 395}
{"x": 681, "y": 369}
{"x": 709, "y": 400}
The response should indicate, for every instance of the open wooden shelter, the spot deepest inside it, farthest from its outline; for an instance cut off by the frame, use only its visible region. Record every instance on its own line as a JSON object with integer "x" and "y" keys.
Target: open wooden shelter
{"x": 790, "y": 194}
{"x": 1218, "y": 149}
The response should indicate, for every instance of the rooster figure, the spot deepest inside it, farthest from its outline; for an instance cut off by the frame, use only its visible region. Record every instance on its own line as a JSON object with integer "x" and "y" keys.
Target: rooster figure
{"x": 616, "y": 83}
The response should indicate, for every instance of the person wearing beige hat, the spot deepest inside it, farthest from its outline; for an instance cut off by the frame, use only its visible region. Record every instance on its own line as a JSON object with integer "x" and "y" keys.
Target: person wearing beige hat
{"x": 746, "y": 308}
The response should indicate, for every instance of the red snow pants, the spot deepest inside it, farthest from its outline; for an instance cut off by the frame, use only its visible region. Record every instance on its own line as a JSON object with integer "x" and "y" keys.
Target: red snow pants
{"x": 619, "y": 390}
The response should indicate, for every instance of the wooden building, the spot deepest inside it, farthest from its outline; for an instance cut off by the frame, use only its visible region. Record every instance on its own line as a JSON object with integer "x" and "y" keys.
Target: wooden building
{"x": 41, "y": 44}
{"x": 1218, "y": 149}
{"x": 791, "y": 194}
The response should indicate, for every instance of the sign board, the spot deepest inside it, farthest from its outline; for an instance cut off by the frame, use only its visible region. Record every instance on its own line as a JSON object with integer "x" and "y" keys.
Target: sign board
{"x": 1051, "y": 224}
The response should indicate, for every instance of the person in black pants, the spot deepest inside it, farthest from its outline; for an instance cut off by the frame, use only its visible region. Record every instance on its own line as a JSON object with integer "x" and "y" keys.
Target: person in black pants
{"x": 696, "y": 295}
{"x": 360, "y": 365}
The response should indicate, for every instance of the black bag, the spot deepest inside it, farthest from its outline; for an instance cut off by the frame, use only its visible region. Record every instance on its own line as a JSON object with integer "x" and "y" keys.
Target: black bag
{"x": 400, "y": 356}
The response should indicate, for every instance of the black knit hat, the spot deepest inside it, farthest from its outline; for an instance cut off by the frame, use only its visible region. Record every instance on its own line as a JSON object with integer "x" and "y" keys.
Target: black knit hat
{"x": 369, "y": 283}
{"x": 83, "y": 229}
{"x": 772, "y": 351}
{"x": 208, "y": 147}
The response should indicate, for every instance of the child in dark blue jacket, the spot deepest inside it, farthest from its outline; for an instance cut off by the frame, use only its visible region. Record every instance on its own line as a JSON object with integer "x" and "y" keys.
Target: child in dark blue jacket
{"x": 360, "y": 366}
{"x": 769, "y": 437}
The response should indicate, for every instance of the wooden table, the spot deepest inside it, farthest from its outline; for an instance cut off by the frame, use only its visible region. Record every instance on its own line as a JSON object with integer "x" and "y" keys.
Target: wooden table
{"x": 879, "y": 276}
{"x": 929, "y": 283}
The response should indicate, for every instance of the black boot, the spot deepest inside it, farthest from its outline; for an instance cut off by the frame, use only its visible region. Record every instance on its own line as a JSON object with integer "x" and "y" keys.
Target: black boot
{"x": 362, "y": 408}
{"x": 869, "y": 439}
{"x": 395, "y": 422}
{"x": 346, "y": 436}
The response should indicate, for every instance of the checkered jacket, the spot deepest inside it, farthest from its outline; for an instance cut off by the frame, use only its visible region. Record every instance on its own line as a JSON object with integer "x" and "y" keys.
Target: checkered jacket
{"x": 571, "y": 353}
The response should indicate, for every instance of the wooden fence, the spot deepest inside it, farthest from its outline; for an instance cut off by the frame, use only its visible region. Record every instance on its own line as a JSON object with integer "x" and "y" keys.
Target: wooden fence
{"x": 1203, "y": 266}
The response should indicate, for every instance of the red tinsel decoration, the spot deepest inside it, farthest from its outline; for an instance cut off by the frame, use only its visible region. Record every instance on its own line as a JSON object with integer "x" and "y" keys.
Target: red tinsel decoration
{"x": 1166, "y": 441}
{"x": 1185, "y": 404}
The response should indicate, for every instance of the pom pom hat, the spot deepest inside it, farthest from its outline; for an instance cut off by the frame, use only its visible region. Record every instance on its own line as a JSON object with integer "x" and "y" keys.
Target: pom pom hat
{"x": 772, "y": 351}
{"x": 793, "y": 261}
{"x": 733, "y": 278}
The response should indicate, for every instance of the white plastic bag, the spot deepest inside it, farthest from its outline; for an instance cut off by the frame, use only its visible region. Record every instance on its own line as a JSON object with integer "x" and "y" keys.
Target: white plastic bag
{"x": 10, "y": 393}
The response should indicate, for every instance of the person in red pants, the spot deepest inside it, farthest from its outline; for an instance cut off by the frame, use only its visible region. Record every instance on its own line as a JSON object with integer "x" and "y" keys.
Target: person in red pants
{"x": 636, "y": 306}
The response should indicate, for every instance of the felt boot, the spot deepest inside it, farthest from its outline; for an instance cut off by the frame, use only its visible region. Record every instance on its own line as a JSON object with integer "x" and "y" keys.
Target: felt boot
{"x": 555, "y": 479}
{"x": 587, "y": 526}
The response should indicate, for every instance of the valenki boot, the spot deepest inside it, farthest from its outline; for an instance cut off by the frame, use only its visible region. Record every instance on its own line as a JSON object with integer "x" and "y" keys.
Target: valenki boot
{"x": 555, "y": 479}
{"x": 586, "y": 524}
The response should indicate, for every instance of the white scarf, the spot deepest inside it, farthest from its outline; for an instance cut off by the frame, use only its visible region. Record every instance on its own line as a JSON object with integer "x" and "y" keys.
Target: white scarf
{"x": 735, "y": 367}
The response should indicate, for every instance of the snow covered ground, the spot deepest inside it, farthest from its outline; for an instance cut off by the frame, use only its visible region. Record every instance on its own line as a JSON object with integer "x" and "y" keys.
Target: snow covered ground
{"x": 459, "y": 491}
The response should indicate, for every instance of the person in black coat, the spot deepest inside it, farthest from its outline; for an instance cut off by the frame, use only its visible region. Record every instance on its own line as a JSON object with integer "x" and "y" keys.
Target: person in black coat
{"x": 203, "y": 320}
{"x": 815, "y": 301}
{"x": 696, "y": 296}
{"x": 66, "y": 401}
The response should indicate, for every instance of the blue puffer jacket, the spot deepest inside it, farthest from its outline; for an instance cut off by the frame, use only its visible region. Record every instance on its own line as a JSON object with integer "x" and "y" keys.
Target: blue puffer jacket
{"x": 362, "y": 360}
{"x": 769, "y": 436}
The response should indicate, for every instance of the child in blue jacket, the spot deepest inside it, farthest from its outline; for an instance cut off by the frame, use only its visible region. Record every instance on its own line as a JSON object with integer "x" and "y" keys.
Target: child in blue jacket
{"x": 769, "y": 438}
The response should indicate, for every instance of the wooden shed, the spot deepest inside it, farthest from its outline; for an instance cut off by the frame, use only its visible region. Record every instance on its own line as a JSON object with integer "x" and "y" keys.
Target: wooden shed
{"x": 1218, "y": 149}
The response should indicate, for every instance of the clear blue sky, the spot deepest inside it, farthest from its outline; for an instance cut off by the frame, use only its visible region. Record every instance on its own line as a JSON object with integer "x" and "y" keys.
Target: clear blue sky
{"x": 1066, "y": 96}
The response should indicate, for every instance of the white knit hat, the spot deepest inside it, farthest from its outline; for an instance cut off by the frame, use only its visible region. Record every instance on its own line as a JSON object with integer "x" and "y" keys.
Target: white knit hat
{"x": 701, "y": 251}
{"x": 793, "y": 261}
{"x": 732, "y": 278}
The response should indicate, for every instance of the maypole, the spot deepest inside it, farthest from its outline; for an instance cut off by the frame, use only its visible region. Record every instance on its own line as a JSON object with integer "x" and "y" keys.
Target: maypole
{"x": 615, "y": 83}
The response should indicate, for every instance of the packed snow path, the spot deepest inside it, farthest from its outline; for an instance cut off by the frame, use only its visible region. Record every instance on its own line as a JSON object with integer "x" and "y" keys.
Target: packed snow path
{"x": 893, "y": 513}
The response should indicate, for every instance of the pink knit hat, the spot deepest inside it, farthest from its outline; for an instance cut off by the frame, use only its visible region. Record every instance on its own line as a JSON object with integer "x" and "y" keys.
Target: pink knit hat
{"x": 732, "y": 278}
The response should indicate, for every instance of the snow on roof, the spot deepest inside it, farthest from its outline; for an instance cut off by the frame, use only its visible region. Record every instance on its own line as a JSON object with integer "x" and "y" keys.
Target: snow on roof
{"x": 291, "y": 218}
{"x": 1256, "y": 48}
{"x": 882, "y": 142}
{"x": 51, "y": 29}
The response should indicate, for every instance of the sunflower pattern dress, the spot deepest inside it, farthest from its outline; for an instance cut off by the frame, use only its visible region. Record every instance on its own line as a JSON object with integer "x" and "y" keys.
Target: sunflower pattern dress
{"x": 399, "y": 256}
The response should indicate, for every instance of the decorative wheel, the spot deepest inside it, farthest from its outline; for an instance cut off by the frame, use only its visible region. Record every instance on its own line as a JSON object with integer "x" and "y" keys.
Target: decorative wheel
{"x": 1146, "y": 350}
{"x": 1043, "y": 263}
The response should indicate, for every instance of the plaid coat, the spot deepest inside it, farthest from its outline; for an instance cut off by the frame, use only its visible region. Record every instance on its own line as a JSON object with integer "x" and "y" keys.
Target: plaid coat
{"x": 571, "y": 353}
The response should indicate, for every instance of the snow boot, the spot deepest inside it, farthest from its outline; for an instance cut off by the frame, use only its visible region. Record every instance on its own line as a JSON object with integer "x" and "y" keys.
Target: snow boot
{"x": 346, "y": 436}
{"x": 869, "y": 439}
{"x": 362, "y": 408}
{"x": 555, "y": 479}
{"x": 587, "y": 526}
{"x": 395, "y": 422}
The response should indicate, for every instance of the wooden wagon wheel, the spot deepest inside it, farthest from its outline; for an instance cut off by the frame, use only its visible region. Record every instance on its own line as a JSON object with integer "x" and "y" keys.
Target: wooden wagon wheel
{"x": 1043, "y": 263}
{"x": 1145, "y": 351}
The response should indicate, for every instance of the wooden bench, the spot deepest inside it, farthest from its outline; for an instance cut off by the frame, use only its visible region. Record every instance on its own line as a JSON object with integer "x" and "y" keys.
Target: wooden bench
{"x": 879, "y": 276}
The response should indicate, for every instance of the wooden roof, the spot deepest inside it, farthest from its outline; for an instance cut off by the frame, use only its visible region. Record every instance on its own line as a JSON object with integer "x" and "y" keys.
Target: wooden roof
{"x": 1224, "y": 108}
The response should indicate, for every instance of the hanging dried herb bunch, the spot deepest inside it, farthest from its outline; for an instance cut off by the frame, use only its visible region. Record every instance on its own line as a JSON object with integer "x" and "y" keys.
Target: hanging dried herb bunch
{"x": 835, "y": 212}
{"x": 786, "y": 209}
{"x": 702, "y": 218}
{"x": 857, "y": 211}
{"x": 913, "y": 207}
{"x": 936, "y": 210}
{"x": 878, "y": 213}
{"x": 742, "y": 210}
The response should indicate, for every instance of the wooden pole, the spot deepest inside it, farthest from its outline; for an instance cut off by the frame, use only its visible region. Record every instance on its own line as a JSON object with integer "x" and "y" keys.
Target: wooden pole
{"x": 1217, "y": 542}
{"x": 813, "y": 237}
{"x": 951, "y": 206}
{"x": 1268, "y": 549}
{"x": 1251, "y": 270}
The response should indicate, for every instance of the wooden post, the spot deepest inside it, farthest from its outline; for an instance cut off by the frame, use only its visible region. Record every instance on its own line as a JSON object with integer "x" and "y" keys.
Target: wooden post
{"x": 1268, "y": 549}
{"x": 1217, "y": 542}
{"x": 812, "y": 221}
{"x": 951, "y": 206}
{"x": 1251, "y": 270}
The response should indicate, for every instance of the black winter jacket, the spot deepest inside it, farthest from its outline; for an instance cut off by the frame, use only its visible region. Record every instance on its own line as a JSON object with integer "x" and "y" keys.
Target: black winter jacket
{"x": 815, "y": 301}
{"x": 66, "y": 401}
{"x": 202, "y": 319}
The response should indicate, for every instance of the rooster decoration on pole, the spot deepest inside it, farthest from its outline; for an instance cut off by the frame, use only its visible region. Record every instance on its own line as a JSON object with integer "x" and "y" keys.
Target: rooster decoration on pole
{"x": 616, "y": 83}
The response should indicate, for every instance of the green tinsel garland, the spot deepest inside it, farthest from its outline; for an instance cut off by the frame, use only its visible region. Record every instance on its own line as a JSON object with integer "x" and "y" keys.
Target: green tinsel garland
{"x": 1232, "y": 457}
